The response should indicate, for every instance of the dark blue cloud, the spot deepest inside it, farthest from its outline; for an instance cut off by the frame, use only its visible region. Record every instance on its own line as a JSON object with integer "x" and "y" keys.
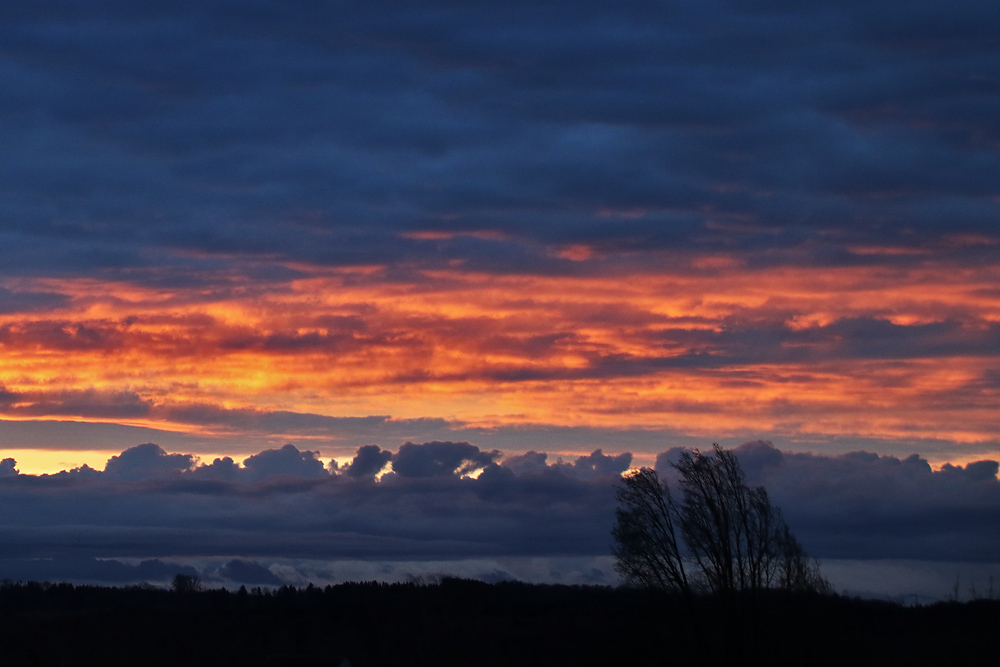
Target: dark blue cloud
{"x": 145, "y": 461}
{"x": 440, "y": 459}
{"x": 319, "y": 133}
{"x": 21, "y": 302}
{"x": 600, "y": 465}
{"x": 224, "y": 469}
{"x": 368, "y": 462}
{"x": 7, "y": 467}
{"x": 285, "y": 462}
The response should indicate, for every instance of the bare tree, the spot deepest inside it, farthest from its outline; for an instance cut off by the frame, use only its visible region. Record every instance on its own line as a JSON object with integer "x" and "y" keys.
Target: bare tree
{"x": 185, "y": 583}
{"x": 731, "y": 538}
{"x": 795, "y": 570}
{"x": 646, "y": 534}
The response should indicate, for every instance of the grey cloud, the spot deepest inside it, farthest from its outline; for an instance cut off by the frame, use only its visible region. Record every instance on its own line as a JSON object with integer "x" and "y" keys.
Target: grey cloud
{"x": 437, "y": 459}
{"x": 82, "y": 403}
{"x": 83, "y": 471}
{"x": 978, "y": 471}
{"x": 598, "y": 465}
{"x": 282, "y": 421}
{"x": 145, "y": 461}
{"x": 368, "y": 462}
{"x": 526, "y": 464}
{"x": 224, "y": 469}
{"x": 285, "y": 462}
{"x": 7, "y": 467}
{"x": 756, "y": 340}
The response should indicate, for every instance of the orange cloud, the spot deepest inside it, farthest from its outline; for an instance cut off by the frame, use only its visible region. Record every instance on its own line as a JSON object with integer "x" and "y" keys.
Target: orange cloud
{"x": 707, "y": 349}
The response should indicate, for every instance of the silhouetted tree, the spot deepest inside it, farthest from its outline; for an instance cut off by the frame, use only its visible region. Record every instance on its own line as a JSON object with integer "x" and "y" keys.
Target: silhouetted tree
{"x": 795, "y": 570}
{"x": 734, "y": 539}
{"x": 185, "y": 583}
{"x": 647, "y": 549}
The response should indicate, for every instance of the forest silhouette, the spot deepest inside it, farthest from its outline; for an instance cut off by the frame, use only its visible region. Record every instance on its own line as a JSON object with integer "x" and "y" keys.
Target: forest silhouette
{"x": 467, "y": 622}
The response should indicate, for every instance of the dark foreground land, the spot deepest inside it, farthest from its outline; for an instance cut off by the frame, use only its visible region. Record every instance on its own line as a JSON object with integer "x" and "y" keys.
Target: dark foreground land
{"x": 458, "y": 622}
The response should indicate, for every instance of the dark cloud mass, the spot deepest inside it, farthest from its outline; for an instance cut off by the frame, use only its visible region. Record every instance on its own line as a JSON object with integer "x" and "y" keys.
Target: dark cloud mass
{"x": 368, "y": 462}
{"x": 147, "y": 504}
{"x": 198, "y": 126}
{"x": 439, "y": 459}
{"x": 7, "y": 468}
{"x": 287, "y": 461}
{"x": 144, "y": 461}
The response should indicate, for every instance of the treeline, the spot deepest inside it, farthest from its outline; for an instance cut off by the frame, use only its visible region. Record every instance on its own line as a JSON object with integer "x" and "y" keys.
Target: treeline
{"x": 463, "y": 622}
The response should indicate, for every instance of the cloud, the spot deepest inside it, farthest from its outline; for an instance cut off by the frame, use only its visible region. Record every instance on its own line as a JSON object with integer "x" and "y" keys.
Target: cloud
{"x": 147, "y": 461}
{"x": 246, "y": 572}
{"x": 7, "y": 468}
{"x": 828, "y": 123}
{"x": 977, "y": 471}
{"x": 93, "y": 570}
{"x": 369, "y": 461}
{"x": 437, "y": 459}
{"x": 285, "y": 462}
{"x": 526, "y": 464}
{"x": 30, "y": 302}
{"x": 221, "y": 469}
{"x": 598, "y": 464}
{"x": 87, "y": 403}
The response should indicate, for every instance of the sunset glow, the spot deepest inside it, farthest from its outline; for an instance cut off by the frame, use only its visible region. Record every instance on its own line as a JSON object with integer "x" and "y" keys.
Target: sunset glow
{"x": 629, "y": 349}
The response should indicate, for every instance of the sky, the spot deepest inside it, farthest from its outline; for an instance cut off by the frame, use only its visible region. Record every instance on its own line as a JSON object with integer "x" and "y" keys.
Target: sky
{"x": 473, "y": 234}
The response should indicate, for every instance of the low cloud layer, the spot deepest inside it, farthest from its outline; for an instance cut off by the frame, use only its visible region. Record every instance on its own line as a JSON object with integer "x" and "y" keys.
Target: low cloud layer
{"x": 451, "y": 501}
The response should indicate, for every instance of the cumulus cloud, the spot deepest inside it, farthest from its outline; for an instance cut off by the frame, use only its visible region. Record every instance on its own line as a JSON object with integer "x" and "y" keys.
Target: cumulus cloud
{"x": 224, "y": 468}
{"x": 7, "y": 467}
{"x": 598, "y": 464}
{"x": 440, "y": 459}
{"x": 979, "y": 471}
{"x": 368, "y": 462}
{"x": 528, "y": 463}
{"x": 146, "y": 461}
{"x": 287, "y": 461}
